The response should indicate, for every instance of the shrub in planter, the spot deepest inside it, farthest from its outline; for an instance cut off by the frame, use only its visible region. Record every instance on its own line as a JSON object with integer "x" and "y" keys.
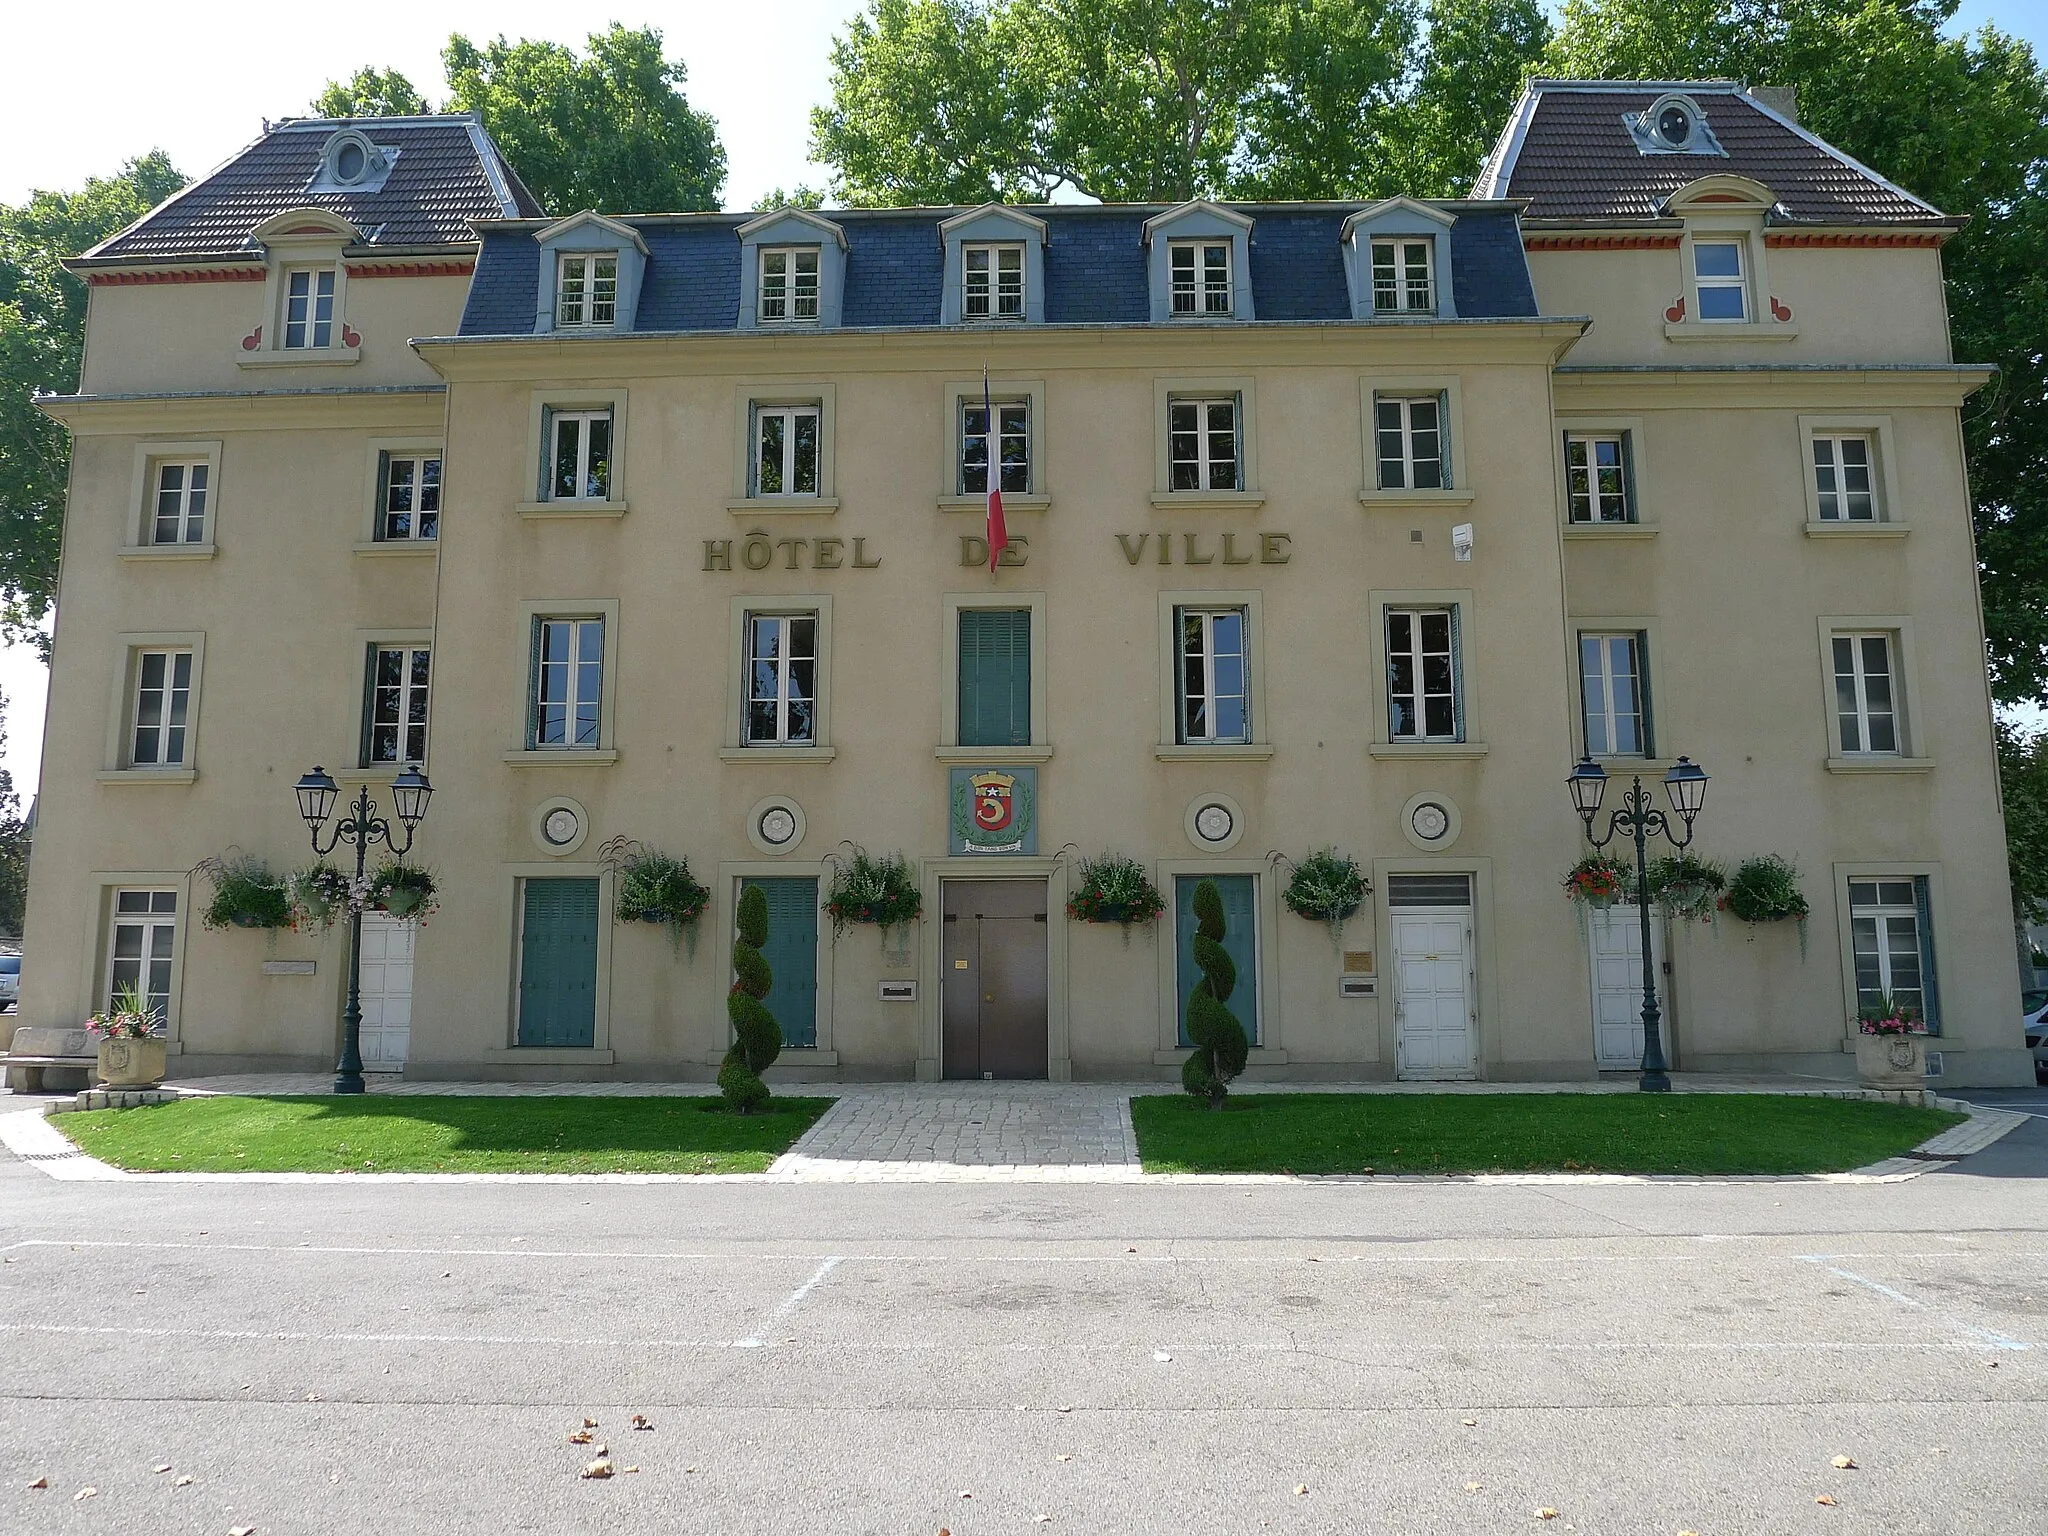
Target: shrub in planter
{"x": 654, "y": 888}
{"x": 406, "y": 891}
{"x": 1597, "y": 881}
{"x": 1686, "y": 886}
{"x": 1327, "y": 887}
{"x": 319, "y": 893}
{"x": 1765, "y": 889}
{"x": 867, "y": 889}
{"x": 757, "y": 1038}
{"x": 1889, "y": 1016}
{"x": 1221, "y": 1046}
{"x": 1115, "y": 889}
{"x": 245, "y": 894}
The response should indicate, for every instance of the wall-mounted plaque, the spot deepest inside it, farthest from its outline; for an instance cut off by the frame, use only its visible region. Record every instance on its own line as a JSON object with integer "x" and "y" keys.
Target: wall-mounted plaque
{"x": 993, "y": 810}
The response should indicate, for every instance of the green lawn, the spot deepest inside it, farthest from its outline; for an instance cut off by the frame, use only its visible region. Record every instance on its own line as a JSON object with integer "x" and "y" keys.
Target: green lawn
{"x": 388, "y": 1134}
{"x": 1523, "y": 1132}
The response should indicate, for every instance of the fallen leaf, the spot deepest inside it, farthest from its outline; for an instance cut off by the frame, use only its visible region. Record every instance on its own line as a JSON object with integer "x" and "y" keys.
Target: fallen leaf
{"x": 447, "y": 1274}
{"x": 312, "y": 1397}
{"x": 580, "y": 1437}
{"x": 1471, "y": 1487}
{"x": 1044, "y": 1520}
{"x": 163, "y": 1467}
{"x": 632, "y": 1469}
{"x": 1161, "y": 1356}
{"x": 1991, "y": 1365}
{"x": 965, "y": 1494}
{"x": 1688, "y": 1533}
{"x": 598, "y": 1468}
{"x": 241, "y": 1530}
{"x": 1546, "y": 1513}
{"x": 601, "y": 1450}
{"x": 640, "y": 1421}
{"x": 1130, "y": 1250}
{"x": 590, "y": 1423}
{"x": 1468, "y": 1423}
{"x": 1843, "y": 1463}
{"x": 41, "y": 1482}
{"x": 1823, "y": 1498}
{"x": 1301, "y": 1487}
{"x": 1066, "y": 1407}
{"x": 183, "y": 1479}
{"x": 1065, "y": 1457}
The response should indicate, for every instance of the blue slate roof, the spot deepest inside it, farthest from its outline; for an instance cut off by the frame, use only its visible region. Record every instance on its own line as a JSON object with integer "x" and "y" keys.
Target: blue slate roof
{"x": 1094, "y": 268}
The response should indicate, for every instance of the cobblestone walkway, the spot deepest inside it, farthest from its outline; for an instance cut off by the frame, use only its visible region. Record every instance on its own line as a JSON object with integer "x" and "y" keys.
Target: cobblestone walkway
{"x": 955, "y": 1130}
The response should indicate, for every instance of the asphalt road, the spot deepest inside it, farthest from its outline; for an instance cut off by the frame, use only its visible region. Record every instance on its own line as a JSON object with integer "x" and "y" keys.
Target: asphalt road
{"x": 1417, "y": 1357}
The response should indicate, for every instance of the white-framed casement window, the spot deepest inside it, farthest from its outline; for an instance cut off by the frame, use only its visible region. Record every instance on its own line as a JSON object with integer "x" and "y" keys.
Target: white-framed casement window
{"x": 1408, "y": 433}
{"x": 408, "y": 497}
{"x": 1599, "y": 485}
{"x": 1005, "y": 443}
{"x": 1214, "y": 676}
{"x": 1891, "y": 942}
{"x": 785, "y": 455}
{"x": 1198, "y": 274}
{"x": 1866, "y": 693}
{"x": 579, "y": 455}
{"x": 308, "y": 308}
{"x": 178, "y": 508}
{"x": 782, "y": 680}
{"x": 1720, "y": 279}
{"x": 160, "y": 710}
{"x": 1614, "y": 694}
{"x": 1422, "y": 675}
{"x": 1402, "y": 283}
{"x": 395, "y": 705}
{"x": 1203, "y": 447}
{"x": 992, "y": 282}
{"x": 565, "y": 696}
{"x": 587, "y": 290}
{"x": 1844, "y": 477}
{"x": 789, "y": 285}
{"x": 142, "y": 942}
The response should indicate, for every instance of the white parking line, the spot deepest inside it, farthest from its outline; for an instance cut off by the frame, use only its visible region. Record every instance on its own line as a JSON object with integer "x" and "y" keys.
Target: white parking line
{"x": 1989, "y": 1338}
{"x": 792, "y": 1300}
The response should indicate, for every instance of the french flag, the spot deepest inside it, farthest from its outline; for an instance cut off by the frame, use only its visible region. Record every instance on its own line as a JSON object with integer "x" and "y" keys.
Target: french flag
{"x": 998, "y": 530}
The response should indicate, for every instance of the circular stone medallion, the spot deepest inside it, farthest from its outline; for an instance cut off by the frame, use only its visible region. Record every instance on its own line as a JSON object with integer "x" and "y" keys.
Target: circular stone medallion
{"x": 777, "y": 825}
{"x": 561, "y": 826}
{"x": 1214, "y": 823}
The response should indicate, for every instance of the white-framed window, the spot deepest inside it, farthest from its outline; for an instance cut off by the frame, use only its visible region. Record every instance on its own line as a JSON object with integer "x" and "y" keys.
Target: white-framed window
{"x": 1409, "y": 436}
{"x": 567, "y": 688}
{"x": 785, "y": 457}
{"x": 178, "y": 513}
{"x": 789, "y": 284}
{"x": 309, "y": 307}
{"x": 1422, "y": 675}
{"x": 395, "y": 705}
{"x": 408, "y": 496}
{"x": 1888, "y": 937}
{"x": 160, "y": 713}
{"x": 1009, "y": 448}
{"x": 1198, "y": 273}
{"x": 1401, "y": 278}
{"x": 579, "y": 455}
{"x": 1597, "y": 478}
{"x": 1843, "y": 482}
{"x": 1215, "y": 676}
{"x": 142, "y": 941}
{"x": 1866, "y": 693}
{"x": 1720, "y": 280}
{"x": 1202, "y": 448}
{"x": 1614, "y": 695}
{"x": 587, "y": 290}
{"x": 782, "y": 679}
{"x": 992, "y": 279}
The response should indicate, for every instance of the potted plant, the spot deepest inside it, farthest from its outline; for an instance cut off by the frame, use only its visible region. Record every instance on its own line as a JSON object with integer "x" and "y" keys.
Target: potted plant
{"x": 1596, "y": 881}
{"x": 1891, "y": 1044}
{"x": 319, "y": 894}
{"x": 1765, "y": 889}
{"x": 406, "y": 891}
{"x": 1327, "y": 887}
{"x": 131, "y": 1046}
{"x": 1686, "y": 886}
{"x": 654, "y": 888}
{"x": 870, "y": 889}
{"x": 245, "y": 894}
{"x": 1114, "y": 888}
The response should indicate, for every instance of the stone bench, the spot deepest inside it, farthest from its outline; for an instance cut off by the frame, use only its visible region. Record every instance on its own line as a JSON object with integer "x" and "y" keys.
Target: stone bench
{"x": 36, "y": 1052}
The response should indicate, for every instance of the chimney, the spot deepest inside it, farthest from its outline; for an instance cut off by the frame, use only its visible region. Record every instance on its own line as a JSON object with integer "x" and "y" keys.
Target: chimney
{"x": 1781, "y": 99}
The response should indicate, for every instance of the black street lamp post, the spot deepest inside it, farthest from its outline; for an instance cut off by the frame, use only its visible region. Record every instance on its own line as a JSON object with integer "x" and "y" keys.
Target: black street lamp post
{"x": 1686, "y": 784}
{"x": 362, "y": 826}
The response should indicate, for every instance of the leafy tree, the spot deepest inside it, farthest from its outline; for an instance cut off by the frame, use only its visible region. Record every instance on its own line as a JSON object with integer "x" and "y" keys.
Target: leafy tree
{"x": 757, "y": 1038}
{"x": 2023, "y": 778}
{"x": 1467, "y": 82}
{"x": 371, "y": 92}
{"x": 801, "y": 197}
{"x": 14, "y": 841}
{"x": 1219, "y": 1040}
{"x": 42, "y": 339}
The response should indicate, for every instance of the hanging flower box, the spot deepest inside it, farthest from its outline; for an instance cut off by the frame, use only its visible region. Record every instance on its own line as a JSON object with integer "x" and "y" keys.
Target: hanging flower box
{"x": 245, "y": 894}
{"x": 1114, "y": 889}
{"x": 405, "y": 891}
{"x": 1596, "y": 881}
{"x": 871, "y": 889}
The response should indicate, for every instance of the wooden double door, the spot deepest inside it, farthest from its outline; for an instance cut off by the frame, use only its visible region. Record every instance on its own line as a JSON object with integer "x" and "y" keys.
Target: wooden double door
{"x": 993, "y": 979}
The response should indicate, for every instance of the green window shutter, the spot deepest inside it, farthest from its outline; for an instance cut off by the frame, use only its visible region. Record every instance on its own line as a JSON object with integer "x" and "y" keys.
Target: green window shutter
{"x": 384, "y": 496}
{"x": 792, "y": 955}
{"x": 369, "y": 697}
{"x": 558, "y": 963}
{"x": 1457, "y": 669}
{"x": 1930, "y": 991}
{"x": 533, "y": 686}
{"x": 1649, "y": 742}
{"x": 1240, "y": 942}
{"x": 995, "y": 677}
{"x": 1443, "y": 448}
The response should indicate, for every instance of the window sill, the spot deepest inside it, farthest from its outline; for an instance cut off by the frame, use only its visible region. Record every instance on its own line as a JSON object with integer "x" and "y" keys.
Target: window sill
{"x": 148, "y": 775}
{"x": 299, "y": 357}
{"x": 767, "y": 505}
{"x": 1200, "y": 500}
{"x": 1727, "y": 330}
{"x": 1036, "y": 753}
{"x": 566, "y": 508}
{"x": 1235, "y": 752}
{"x": 1453, "y": 498}
{"x": 1428, "y": 749}
{"x": 543, "y": 757}
{"x": 777, "y": 754}
{"x": 555, "y": 1055}
{"x": 1880, "y": 765}
{"x": 398, "y": 547}
{"x": 1257, "y": 1056}
{"x": 166, "y": 551}
{"x": 1598, "y": 531}
{"x": 1818, "y": 530}
{"x": 1017, "y": 503}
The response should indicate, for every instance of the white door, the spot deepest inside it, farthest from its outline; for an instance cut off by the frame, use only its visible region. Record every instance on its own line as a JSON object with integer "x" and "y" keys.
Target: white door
{"x": 387, "y": 991}
{"x": 1433, "y": 992}
{"x": 1615, "y": 937}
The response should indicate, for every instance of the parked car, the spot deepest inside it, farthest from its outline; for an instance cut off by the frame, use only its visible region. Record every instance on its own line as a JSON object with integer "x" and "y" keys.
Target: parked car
{"x": 2034, "y": 1018}
{"x": 10, "y": 982}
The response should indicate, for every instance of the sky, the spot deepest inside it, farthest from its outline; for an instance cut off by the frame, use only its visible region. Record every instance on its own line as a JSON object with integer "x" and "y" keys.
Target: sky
{"x": 198, "y": 81}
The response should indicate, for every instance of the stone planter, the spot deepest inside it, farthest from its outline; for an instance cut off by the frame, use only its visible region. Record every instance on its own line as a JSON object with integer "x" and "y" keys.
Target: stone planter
{"x": 1891, "y": 1061}
{"x": 131, "y": 1063}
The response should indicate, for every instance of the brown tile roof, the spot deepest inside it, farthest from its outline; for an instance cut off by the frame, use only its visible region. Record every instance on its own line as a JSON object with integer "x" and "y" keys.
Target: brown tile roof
{"x": 447, "y": 174}
{"x": 1569, "y": 153}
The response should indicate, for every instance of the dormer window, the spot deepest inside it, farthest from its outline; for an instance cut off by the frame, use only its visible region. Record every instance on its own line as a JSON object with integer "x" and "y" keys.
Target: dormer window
{"x": 1200, "y": 275}
{"x": 309, "y": 308}
{"x": 588, "y": 294}
{"x": 1720, "y": 282}
{"x": 349, "y": 162}
{"x": 1672, "y": 125}
{"x": 993, "y": 280}
{"x": 1401, "y": 282}
{"x": 789, "y": 284}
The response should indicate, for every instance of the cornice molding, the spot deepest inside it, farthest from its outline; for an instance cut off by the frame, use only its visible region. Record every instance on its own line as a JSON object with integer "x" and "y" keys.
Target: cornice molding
{"x": 1856, "y": 239}
{"x": 412, "y": 409}
{"x": 132, "y": 279}
{"x": 1565, "y": 240}
{"x": 1594, "y": 388}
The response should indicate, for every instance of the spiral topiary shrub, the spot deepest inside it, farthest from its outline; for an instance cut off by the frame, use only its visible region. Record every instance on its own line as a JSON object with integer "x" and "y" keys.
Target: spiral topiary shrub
{"x": 1219, "y": 1040}
{"x": 757, "y": 1038}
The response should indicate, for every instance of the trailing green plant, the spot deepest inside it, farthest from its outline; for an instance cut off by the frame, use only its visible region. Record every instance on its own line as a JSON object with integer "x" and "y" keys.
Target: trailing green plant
{"x": 1219, "y": 1040}
{"x": 1114, "y": 888}
{"x": 871, "y": 889}
{"x": 654, "y": 888}
{"x": 1686, "y": 887}
{"x": 245, "y": 894}
{"x": 1327, "y": 887}
{"x": 406, "y": 891}
{"x": 1765, "y": 889}
{"x": 1598, "y": 880}
{"x": 756, "y": 1037}
{"x": 319, "y": 894}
